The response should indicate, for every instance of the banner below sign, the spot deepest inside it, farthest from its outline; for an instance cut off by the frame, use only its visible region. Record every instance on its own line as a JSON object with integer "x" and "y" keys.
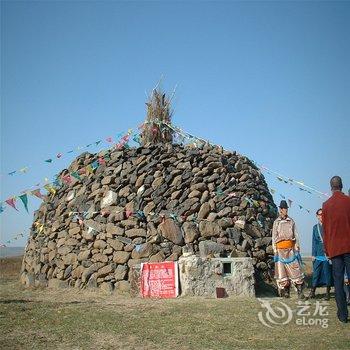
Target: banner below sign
{"x": 159, "y": 280}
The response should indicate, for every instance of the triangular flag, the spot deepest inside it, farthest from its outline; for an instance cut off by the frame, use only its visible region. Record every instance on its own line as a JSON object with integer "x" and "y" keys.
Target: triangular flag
{"x": 279, "y": 178}
{"x": 272, "y": 190}
{"x": 71, "y": 151}
{"x": 283, "y": 197}
{"x": 2, "y": 208}
{"x": 24, "y": 199}
{"x": 48, "y": 160}
{"x": 11, "y": 202}
{"x": 12, "y": 173}
{"x": 59, "y": 155}
{"x": 300, "y": 206}
{"x": 97, "y": 142}
{"x": 290, "y": 202}
{"x": 109, "y": 139}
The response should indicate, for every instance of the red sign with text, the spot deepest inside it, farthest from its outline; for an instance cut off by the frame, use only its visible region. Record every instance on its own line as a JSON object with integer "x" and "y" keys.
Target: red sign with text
{"x": 159, "y": 280}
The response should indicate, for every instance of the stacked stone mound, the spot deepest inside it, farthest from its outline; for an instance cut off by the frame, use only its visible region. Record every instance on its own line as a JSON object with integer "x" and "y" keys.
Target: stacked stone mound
{"x": 149, "y": 204}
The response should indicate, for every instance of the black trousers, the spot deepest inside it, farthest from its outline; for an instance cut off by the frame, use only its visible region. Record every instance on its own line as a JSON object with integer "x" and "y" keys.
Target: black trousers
{"x": 340, "y": 264}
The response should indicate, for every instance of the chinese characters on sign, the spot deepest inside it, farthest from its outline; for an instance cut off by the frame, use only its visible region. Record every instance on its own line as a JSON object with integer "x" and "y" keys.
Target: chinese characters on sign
{"x": 159, "y": 280}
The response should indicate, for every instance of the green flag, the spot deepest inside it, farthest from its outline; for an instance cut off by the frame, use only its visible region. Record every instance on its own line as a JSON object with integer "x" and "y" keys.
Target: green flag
{"x": 24, "y": 199}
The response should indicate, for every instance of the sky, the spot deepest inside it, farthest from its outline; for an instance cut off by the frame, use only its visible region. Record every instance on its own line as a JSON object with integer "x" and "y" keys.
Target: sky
{"x": 270, "y": 80}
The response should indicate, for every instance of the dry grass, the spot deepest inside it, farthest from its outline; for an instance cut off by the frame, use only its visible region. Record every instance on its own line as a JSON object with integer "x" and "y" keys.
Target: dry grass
{"x": 158, "y": 112}
{"x": 70, "y": 319}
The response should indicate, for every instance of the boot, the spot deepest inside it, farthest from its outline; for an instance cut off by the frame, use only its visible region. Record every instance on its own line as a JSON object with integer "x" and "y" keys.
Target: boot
{"x": 312, "y": 293}
{"x": 287, "y": 292}
{"x": 328, "y": 294}
{"x": 301, "y": 295}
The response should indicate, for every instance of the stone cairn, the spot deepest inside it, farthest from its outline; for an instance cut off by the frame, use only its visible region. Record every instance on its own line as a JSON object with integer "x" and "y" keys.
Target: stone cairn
{"x": 149, "y": 204}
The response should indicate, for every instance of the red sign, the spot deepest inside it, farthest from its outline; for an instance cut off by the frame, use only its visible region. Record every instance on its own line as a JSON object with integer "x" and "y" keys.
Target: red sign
{"x": 159, "y": 280}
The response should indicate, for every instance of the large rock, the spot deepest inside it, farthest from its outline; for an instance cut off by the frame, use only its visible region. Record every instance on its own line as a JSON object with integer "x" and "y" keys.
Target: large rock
{"x": 171, "y": 231}
{"x": 209, "y": 229}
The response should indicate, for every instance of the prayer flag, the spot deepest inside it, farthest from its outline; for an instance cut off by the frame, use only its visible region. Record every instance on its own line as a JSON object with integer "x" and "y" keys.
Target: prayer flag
{"x": 67, "y": 179}
{"x": 101, "y": 161}
{"x": 290, "y": 202}
{"x": 76, "y": 175}
{"x": 24, "y": 199}
{"x": 94, "y": 164}
{"x": 12, "y": 202}
{"x": 48, "y": 160}
{"x": 12, "y": 173}
{"x": 24, "y": 170}
{"x": 89, "y": 169}
{"x": 50, "y": 189}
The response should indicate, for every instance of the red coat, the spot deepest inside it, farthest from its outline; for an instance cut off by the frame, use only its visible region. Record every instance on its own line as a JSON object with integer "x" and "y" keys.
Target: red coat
{"x": 336, "y": 224}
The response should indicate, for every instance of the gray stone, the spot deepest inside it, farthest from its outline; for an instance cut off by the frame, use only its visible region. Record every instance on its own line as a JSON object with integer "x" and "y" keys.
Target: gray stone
{"x": 120, "y": 272}
{"x": 121, "y": 257}
{"x": 209, "y": 229}
{"x": 136, "y": 232}
{"x": 204, "y": 211}
{"x": 191, "y": 231}
{"x": 209, "y": 248}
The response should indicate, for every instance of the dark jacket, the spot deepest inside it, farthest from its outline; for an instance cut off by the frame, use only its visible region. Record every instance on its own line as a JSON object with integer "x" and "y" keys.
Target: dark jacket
{"x": 336, "y": 224}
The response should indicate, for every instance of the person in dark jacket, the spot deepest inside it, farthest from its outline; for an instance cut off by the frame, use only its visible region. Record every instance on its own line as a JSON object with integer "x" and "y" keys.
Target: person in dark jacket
{"x": 336, "y": 226}
{"x": 322, "y": 269}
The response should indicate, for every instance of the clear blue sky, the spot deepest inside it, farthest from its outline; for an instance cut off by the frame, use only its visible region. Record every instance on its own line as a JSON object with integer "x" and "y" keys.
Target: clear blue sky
{"x": 268, "y": 79}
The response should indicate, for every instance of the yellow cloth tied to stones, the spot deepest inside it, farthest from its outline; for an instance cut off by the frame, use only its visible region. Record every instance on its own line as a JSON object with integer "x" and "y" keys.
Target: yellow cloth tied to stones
{"x": 286, "y": 244}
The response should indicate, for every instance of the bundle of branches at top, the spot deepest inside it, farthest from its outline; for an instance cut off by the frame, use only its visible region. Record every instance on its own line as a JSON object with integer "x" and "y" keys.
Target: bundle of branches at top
{"x": 159, "y": 112}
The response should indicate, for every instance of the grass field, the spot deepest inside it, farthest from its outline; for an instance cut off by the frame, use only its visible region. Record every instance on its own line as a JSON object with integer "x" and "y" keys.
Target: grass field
{"x": 71, "y": 319}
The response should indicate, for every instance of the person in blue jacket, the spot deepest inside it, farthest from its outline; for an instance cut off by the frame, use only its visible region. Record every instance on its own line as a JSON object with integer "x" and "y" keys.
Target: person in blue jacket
{"x": 322, "y": 269}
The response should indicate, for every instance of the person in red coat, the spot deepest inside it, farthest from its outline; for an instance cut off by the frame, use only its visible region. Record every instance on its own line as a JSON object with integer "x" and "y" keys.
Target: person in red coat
{"x": 336, "y": 226}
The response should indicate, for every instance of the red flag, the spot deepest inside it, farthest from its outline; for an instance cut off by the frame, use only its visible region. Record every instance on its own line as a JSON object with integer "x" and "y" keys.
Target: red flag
{"x": 101, "y": 161}
{"x": 67, "y": 179}
{"x": 11, "y": 202}
{"x": 37, "y": 193}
